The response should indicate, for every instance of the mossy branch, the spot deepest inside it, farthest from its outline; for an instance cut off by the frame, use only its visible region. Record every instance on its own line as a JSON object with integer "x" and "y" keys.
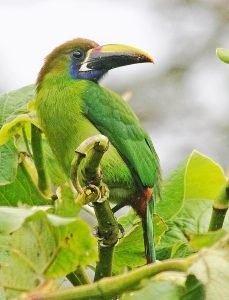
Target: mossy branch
{"x": 108, "y": 232}
{"x": 86, "y": 169}
{"x": 110, "y": 287}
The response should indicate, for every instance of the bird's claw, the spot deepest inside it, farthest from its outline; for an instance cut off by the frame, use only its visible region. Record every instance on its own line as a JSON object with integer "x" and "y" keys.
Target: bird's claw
{"x": 102, "y": 239}
{"x": 103, "y": 245}
{"x": 100, "y": 194}
{"x": 104, "y": 193}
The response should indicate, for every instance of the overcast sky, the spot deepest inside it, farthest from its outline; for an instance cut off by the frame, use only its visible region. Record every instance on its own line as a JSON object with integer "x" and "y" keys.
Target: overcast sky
{"x": 182, "y": 99}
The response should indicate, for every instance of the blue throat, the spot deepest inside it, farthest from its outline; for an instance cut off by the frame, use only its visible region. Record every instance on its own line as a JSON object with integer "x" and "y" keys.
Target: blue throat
{"x": 93, "y": 75}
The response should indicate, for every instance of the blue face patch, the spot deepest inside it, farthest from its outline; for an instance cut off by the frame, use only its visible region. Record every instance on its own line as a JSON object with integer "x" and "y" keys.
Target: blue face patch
{"x": 93, "y": 75}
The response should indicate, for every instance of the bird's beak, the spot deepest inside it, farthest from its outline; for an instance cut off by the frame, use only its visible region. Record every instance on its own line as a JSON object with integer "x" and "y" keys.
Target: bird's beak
{"x": 113, "y": 56}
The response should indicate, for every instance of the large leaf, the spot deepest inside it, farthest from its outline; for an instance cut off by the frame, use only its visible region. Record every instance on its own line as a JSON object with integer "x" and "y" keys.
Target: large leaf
{"x": 173, "y": 191}
{"x": 208, "y": 239}
{"x": 194, "y": 289}
{"x": 130, "y": 250}
{"x": 203, "y": 180}
{"x": 211, "y": 269}
{"x": 66, "y": 205}
{"x": 198, "y": 177}
{"x": 11, "y": 105}
{"x": 8, "y": 163}
{"x": 169, "y": 289}
{"x": 15, "y": 103}
{"x": 174, "y": 243}
{"x": 188, "y": 230}
{"x": 35, "y": 246}
{"x": 207, "y": 278}
{"x": 10, "y": 129}
{"x": 22, "y": 190}
{"x": 156, "y": 289}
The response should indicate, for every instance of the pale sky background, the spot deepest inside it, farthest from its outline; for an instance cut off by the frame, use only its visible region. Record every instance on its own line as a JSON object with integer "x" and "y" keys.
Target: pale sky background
{"x": 182, "y": 100}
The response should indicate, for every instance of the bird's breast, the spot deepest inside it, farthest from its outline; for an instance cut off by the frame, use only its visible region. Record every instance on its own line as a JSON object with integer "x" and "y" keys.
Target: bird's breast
{"x": 66, "y": 127}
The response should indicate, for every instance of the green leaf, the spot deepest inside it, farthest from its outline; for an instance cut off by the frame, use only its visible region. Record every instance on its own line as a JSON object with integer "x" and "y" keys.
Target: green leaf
{"x": 199, "y": 241}
{"x": 11, "y": 105}
{"x": 130, "y": 250}
{"x": 204, "y": 178}
{"x": 223, "y": 54}
{"x": 65, "y": 205}
{"x": 174, "y": 243}
{"x": 173, "y": 191}
{"x": 15, "y": 103}
{"x": 194, "y": 289}
{"x": 13, "y": 218}
{"x": 198, "y": 177}
{"x": 207, "y": 278}
{"x": 193, "y": 219}
{"x": 181, "y": 249}
{"x": 211, "y": 269}
{"x": 190, "y": 213}
{"x": 10, "y": 129}
{"x": 21, "y": 190}
{"x": 188, "y": 230}
{"x": 8, "y": 163}
{"x": 35, "y": 246}
{"x": 156, "y": 289}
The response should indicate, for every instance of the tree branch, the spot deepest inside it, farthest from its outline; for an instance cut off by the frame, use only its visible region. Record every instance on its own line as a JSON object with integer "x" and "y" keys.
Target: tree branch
{"x": 108, "y": 232}
{"x": 86, "y": 169}
{"x": 109, "y": 287}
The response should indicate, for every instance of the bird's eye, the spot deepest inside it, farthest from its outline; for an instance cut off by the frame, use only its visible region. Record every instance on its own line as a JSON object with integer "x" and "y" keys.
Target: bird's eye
{"x": 78, "y": 54}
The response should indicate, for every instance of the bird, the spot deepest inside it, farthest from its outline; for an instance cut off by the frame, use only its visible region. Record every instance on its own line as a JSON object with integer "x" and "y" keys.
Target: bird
{"x": 72, "y": 106}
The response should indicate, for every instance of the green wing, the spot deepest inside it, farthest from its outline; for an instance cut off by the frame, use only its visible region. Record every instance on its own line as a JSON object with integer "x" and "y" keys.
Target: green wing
{"x": 112, "y": 116}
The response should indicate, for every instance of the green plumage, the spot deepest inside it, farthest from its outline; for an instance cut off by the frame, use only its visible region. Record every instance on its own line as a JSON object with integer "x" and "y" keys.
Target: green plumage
{"x": 72, "y": 110}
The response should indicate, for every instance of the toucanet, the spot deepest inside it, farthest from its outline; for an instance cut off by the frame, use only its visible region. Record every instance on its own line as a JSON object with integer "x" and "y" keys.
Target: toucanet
{"x": 72, "y": 106}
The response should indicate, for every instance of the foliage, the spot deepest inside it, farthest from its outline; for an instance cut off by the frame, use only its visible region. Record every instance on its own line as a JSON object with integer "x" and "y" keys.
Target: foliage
{"x": 223, "y": 54}
{"x": 42, "y": 240}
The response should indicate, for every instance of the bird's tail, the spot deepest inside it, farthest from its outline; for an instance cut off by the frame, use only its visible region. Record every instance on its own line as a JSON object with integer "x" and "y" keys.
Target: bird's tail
{"x": 148, "y": 232}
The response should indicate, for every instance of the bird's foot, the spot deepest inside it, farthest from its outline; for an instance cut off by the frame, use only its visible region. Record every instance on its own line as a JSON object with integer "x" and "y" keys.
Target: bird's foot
{"x": 96, "y": 194}
{"x": 103, "y": 241}
{"x": 92, "y": 194}
{"x": 104, "y": 193}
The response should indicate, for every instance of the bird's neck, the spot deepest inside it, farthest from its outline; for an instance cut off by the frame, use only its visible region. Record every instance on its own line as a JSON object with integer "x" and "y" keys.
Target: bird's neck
{"x": 56, "y": 77}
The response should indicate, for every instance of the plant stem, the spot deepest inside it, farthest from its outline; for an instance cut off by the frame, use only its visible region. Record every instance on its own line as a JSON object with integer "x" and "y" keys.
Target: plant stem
{"x": 26, "y": 142}
{"x": 38, "y": 157}
{"x": 73, "y": 278}
{"x": 108, "y": 232}
{"x": 219, "y": 210}
{"x": 217, "y": 218}
{"x": 79, "y": 277}
{"x": 109, "y": 287}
